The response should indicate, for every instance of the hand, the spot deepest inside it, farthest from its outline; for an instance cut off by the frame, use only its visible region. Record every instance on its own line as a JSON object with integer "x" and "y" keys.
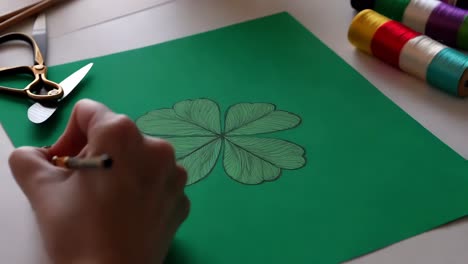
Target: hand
{"x": 126, "y": 214}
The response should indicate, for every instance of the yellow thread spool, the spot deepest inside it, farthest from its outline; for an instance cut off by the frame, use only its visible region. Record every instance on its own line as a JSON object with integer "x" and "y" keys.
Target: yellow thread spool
{"x": 363, "y": 28}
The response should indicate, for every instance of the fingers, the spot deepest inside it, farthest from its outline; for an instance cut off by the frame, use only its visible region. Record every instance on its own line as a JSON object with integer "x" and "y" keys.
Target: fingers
{"x": 31, "y": 167}
{"x": 161, "y": 154}
{"x": 178, "y": 182}
{"x": 183, "y": 208}
{"x": 85, "y": 114}
{"x": 114, "y": 133}
{"x": 180, "y": 179}
{"x": 170, "y": 178}
{"x": 95, "y": 125}
{"x": 94, "y": 129}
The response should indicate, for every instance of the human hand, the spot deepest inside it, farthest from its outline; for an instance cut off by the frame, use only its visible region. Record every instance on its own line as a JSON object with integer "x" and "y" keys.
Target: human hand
{"x": 126, "y": 214}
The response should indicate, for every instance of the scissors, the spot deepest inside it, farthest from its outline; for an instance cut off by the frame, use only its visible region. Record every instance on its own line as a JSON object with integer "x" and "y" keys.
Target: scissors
{"x": 40, "y": 89}
{"x": 46, "y": 94}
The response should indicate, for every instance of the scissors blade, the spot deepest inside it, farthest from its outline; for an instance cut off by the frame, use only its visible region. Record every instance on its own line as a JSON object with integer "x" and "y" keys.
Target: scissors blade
{"x": 38, "y": 113}
{"x": 40, "y": 33}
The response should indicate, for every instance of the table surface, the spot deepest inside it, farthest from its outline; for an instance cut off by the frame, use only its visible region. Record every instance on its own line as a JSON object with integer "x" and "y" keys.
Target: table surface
{"x": 161, "y": 21}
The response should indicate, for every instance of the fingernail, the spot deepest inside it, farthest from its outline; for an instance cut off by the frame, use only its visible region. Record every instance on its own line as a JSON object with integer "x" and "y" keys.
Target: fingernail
{"x": 46, "y": 147}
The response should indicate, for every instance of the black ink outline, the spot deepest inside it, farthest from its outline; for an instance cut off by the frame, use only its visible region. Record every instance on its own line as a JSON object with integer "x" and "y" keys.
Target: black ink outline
{"x": 223, "y": 136}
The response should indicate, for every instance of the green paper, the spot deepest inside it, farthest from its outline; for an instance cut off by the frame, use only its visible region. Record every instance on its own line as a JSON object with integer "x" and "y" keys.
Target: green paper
{"x": 337, "y": 169}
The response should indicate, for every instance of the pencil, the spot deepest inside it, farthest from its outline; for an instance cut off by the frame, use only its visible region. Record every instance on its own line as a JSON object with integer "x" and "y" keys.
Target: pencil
{"x": 101, "y": 162}
{"x": 18, "y": 16}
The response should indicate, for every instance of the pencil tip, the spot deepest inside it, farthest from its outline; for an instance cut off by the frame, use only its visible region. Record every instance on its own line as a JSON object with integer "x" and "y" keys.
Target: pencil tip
{"x": 107, "y": 162}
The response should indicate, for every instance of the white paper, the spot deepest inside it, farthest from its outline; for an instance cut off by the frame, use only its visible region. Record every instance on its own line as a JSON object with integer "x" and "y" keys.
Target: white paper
{"x": 444, "y": 245}
{"x": 19, "y": 238}
{"x": 74, "y": 15}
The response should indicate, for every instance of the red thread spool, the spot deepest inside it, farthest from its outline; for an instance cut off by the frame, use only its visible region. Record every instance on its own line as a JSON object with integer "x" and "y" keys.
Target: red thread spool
{"x": 389, "y": 40}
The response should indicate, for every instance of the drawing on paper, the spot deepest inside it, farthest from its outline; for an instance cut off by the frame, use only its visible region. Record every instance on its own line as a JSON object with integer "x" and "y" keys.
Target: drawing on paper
{"x": 194, "y": 127}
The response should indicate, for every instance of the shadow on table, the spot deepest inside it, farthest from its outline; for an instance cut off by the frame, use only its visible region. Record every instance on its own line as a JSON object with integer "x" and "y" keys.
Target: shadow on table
{"x": 178, "y": 254}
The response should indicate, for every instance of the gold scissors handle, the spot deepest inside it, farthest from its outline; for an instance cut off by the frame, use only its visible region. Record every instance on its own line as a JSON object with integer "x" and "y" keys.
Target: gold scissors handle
{"x": 40, "y": 89}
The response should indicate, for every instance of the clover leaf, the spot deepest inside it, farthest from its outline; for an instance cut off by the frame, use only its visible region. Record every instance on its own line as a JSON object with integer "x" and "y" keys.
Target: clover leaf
{"x": 194, "y": 128}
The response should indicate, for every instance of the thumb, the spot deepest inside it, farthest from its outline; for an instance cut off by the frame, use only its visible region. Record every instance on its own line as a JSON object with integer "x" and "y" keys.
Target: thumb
{"x": 32, "y": 169}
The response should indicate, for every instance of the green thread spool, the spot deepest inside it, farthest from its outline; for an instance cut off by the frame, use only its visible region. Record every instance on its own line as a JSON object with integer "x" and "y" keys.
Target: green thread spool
{"x": 448, "y": 70}
{"x": 392, "y": 9}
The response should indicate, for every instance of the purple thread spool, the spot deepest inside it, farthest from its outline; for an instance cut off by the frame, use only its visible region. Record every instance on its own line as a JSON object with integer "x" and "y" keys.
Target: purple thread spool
{"x": 444, "y": 23}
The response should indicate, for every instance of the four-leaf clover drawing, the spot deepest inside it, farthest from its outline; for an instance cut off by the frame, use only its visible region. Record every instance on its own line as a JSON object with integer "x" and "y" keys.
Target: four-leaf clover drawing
{"x": 194, "y": 127}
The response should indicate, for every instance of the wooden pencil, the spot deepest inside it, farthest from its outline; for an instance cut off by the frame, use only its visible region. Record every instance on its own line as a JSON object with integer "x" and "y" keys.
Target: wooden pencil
{"x": 14, "y": 13}
{"x": 20, "y": 15}
{"x": 101, "y": 162}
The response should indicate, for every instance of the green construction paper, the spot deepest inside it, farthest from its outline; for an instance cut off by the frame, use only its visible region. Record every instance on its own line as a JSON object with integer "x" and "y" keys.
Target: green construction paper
{"x": 372, "y": 175}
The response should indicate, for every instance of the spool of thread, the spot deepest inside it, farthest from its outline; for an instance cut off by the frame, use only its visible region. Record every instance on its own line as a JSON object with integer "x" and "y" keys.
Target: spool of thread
{"x": 410, "y": 51}
{"x": 440, "y": 21}
{"x": 360, "y": 5}
{"x": 458, "y": 3}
